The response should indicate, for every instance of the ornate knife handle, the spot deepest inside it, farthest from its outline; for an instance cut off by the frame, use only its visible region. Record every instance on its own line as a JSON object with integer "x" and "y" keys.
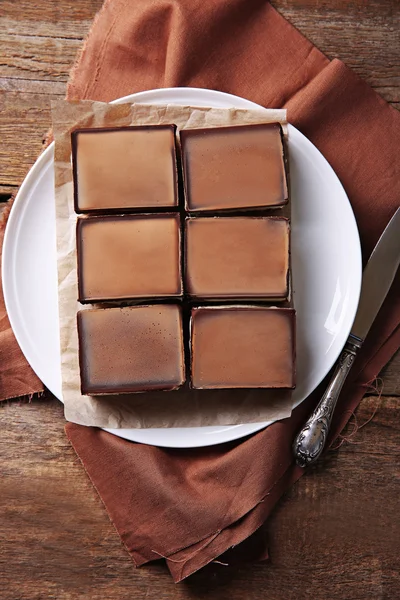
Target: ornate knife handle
{"x": 310, "y": 441}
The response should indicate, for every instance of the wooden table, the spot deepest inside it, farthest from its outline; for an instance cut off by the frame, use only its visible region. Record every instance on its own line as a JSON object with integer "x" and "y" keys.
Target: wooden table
{"x": 336, "y": 533}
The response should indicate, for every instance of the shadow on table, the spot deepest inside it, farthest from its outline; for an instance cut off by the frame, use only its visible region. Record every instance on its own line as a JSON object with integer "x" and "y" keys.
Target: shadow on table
{"x": 229, "y": 567}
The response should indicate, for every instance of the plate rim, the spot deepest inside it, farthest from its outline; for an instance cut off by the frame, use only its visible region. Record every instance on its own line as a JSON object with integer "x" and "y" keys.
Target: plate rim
{"x": 228, "y": 432}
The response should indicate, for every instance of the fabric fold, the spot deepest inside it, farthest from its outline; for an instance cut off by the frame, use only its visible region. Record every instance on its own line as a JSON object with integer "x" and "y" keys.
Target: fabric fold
{"x": 350, "y": 111}
{"x": 191, "y": 506}
{"x": 237, "y": 46}
{"x": 357, "y": 132}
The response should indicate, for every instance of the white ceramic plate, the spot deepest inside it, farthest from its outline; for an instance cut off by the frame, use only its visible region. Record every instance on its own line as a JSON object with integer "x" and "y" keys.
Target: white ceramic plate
{"x": 326, "y": 269}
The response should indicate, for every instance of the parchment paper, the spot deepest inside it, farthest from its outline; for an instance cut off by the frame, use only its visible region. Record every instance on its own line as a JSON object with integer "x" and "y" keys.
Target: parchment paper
{"x": 181, "y": 408}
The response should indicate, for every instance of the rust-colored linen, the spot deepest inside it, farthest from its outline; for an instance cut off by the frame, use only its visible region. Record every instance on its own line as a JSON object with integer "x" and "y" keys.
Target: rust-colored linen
{"x": 190, "y": 506}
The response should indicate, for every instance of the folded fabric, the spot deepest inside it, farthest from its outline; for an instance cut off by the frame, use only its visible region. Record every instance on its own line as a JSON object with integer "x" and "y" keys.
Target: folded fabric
{"x": 190, "y": 506}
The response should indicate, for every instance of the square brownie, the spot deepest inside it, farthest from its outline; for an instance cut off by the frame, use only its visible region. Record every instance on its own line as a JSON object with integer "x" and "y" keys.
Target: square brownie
{"x": 234, "y": 168}
{"x": 242, "y": 347}
{"x": 131, "y": 349}
{"x": 128, "y": 257}
{"x": 124, "y": 168}
{"x": 237, "y": 257}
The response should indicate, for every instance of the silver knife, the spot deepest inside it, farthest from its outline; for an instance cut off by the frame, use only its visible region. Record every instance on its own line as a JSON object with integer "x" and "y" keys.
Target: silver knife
{"x": 377, "y": 278}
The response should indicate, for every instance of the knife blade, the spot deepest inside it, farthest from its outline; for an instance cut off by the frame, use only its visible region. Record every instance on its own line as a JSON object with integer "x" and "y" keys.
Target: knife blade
{"x": 377, "y": 279}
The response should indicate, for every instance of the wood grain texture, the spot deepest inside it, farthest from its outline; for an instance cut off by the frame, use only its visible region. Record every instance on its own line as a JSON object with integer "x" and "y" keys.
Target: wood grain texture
{"x": 362, "y": 33}
{"x": 39, "y": 42}
{"x": 390, "y": 377}
{"x": 25, "y": 120}
{"x": 335, "y": 534}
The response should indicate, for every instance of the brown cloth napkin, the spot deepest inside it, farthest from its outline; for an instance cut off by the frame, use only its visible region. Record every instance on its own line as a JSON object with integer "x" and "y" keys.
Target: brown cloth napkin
{"x": 190, "y": 506}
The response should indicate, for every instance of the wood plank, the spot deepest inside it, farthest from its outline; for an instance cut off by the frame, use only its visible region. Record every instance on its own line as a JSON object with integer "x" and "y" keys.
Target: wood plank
{"x": 70, "y": 18}
{"x": 329, "y": 537}
{"x": 6, "y": 192}
{"x": 26, "y": 119}
{"x": 37, "y": 57}
{"x": 39, "y": 64}
{"x": 49, "y": 18}
{"x": 390, "y": 377}
{"x": 364, "y": 35}
{"x": 32, "y": 86}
